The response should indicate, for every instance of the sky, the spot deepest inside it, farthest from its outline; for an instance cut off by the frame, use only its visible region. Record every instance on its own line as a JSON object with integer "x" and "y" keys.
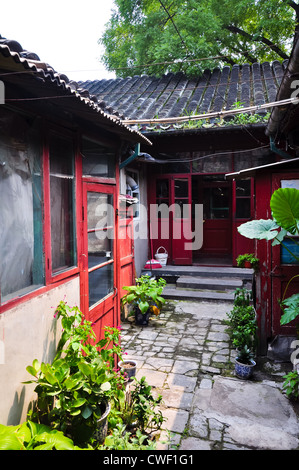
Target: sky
{"x": 63, "y": 34}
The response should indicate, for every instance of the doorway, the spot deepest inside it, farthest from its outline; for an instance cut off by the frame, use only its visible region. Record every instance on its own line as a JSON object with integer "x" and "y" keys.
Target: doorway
{"x": 215, "y": 194}
{"x": 183, "y": 192}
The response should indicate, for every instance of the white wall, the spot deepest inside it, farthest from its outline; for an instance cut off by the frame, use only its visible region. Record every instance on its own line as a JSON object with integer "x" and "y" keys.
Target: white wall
{"x": 27, "y": 332}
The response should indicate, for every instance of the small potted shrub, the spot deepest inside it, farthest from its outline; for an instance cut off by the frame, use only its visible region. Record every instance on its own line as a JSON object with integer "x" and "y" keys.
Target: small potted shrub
{"x": 248, "y": 260}
{"x": 244, "y": 363}
{"x": 146, "y": 298}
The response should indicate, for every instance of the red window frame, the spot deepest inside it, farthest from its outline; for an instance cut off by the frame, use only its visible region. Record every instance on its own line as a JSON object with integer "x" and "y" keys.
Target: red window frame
{"x": 51, "y": 277}
{"x": 58, "y": 278}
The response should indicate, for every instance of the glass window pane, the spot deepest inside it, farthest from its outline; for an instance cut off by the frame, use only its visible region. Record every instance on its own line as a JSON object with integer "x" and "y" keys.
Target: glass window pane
{"x": 100, "y": 221}
{"x": 162, "y": 189}
{"x": 98, "y": 161}
{"x": 100, "y": 283}
{"x": 99, "y": 247}
{"x": 21, "y": 237}
{"x": 243, "y": 188}
{"x": 243, "y": 208}
{"x": 63, "y": 236}
{"x": 216, "y": 203}
{"x": 100, "y": 210}
{"x": 181, "y": 188}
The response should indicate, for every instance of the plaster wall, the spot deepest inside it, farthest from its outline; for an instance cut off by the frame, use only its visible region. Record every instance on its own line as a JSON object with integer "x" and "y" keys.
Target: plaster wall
{"x": 27, "y": 332}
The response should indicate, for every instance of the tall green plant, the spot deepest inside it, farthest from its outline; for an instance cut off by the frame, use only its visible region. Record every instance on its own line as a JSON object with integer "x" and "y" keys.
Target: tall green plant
{"x": 284, "y": 205}
{"x": 82, "y": 378}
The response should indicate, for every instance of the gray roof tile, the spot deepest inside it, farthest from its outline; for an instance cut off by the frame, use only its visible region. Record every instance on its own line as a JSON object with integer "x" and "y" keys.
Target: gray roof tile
{"x": 145, "y": 97}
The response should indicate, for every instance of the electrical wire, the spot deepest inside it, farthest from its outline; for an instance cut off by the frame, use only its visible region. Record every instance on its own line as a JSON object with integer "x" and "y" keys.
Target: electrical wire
{"x": 209, "y": 155}
{"x": 198, "y": 117}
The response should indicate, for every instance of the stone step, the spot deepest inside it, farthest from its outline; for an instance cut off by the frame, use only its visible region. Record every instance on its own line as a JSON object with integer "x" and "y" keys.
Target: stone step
{"x": 170, "y": 292}
{"x": 170, "y": 271}
{"x": 195, "y": 282}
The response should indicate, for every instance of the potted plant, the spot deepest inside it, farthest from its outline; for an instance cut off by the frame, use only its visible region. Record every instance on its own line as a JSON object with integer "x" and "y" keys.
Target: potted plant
{"x": 244, "y": 362}
{"x": 146, "y": 298}
{"x": 248, "y": 260}
{"x": 74, "y": 392}
{"x": 128, "y": 367}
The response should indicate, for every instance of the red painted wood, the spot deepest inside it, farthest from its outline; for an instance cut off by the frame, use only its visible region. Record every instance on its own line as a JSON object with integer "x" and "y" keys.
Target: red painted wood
{"x": 263, "y": 253}
{"x": 281, "y": 274}
{"x": 106, "y": 311}
{"x": 181, "y": 224}
{"x": 240, "y": 244}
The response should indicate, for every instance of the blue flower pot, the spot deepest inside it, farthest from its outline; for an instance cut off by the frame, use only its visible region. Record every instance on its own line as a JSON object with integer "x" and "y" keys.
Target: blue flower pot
{"x": 244, "y": 371}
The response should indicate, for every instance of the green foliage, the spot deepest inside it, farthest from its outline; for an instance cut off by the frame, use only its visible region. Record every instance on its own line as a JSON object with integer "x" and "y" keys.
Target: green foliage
{"x": 242, "y": 297}
{"x": 138, "y": 409}
{"x": 284, "y": 205}
{"x": 120, "y": 439}
{"x": 291, "y": 385}
{"x": 165, "y": 35}
{"x": 245, "y": 355}
{"x": 250, "y": 258}
{"x": 290, "y": 308}
{"x": 74, "y": 389}
{"x": 285, "y": 209}
{"x": 145, "y": 293}
{"x": 33, "y": 436}
{"x": 243, "y": 325}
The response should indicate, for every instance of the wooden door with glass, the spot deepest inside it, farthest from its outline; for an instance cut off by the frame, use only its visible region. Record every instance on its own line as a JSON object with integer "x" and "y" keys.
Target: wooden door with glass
{"x": 98, "y": 277}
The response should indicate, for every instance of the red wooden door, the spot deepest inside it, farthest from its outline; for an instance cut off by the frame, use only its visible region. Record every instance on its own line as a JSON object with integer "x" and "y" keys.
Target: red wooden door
{"x": 215, "y": 195}
{"x": 181, "y": 220}
{"x": 98, "y": 276}
{"x": 284, "y": 266}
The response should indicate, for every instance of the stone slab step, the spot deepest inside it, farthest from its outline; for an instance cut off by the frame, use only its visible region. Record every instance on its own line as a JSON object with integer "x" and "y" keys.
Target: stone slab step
{"x": 181, "y": 294}
{"x": 194, "y": 282}
{"x": 203, "y": 271}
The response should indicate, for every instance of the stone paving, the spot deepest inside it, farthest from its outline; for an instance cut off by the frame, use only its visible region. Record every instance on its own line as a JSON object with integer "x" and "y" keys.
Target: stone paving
{"x": 186, "y": 356}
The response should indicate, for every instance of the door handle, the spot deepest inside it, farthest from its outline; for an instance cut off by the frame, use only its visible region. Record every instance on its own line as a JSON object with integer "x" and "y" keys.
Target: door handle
{"x": 115, "y": 292}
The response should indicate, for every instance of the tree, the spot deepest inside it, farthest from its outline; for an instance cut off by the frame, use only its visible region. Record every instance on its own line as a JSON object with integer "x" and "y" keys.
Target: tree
{"x": 177, "y": 34}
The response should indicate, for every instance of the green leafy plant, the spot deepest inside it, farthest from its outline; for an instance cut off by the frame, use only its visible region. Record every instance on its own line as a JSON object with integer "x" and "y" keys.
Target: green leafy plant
{"x": 145, "y": 294}
{"x": 120, "y": 439}
{"x": 250, "y": 258}
{"x": 242, "y": 296}
{"x": 138, "y": 409}
{"x": 33, "y": 436}
{"x": 245, "y": 355}
{"x": 243, "y": 325}
{"x": 291, "y": 385}
{"x": 73, "y": 391}
{"x": 143, "y": 407}
{"x": 284, "y": 205}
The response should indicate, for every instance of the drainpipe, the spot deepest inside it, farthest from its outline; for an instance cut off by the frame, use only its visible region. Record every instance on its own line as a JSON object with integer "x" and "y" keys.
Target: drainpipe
{"x": 131, "y": 158}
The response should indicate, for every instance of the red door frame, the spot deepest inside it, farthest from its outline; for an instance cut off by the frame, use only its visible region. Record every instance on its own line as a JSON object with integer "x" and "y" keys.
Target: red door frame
{"x": 240, "y": 244}
{"x": 282, "y": 273}
{"x": 181, "y": 226}
{"x": 106, "y": 311}
{"x": 177, "y": 254}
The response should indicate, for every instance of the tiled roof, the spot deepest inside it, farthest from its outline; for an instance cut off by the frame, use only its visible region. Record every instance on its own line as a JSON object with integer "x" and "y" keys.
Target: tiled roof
{"x": 173, "y": 95}
{"x": 14, "y": 58}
